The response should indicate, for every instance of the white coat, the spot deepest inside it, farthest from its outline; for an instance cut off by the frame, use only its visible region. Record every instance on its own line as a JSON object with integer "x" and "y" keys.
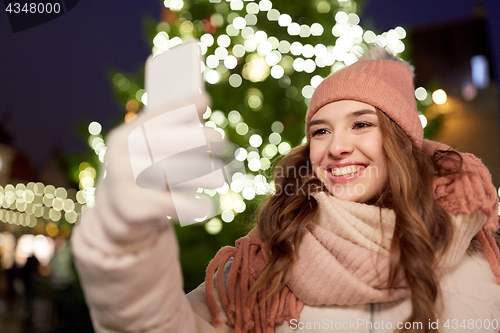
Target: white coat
{"x": 137, "y": 287}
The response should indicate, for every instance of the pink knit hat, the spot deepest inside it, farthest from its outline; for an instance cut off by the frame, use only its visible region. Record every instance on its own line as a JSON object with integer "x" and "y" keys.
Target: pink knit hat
{"x": 386, "y": 84}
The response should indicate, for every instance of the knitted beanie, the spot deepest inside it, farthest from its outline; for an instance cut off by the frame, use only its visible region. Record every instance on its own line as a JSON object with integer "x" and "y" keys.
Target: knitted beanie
{"x": 379, "y": 79}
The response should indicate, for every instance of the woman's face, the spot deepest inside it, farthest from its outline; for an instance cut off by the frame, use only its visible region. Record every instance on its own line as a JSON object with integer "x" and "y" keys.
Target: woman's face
{"x": 346, "y": 150}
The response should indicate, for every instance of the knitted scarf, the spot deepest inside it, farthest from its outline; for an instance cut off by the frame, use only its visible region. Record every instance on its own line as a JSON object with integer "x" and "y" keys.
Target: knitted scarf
{"x": 343, "y": 258}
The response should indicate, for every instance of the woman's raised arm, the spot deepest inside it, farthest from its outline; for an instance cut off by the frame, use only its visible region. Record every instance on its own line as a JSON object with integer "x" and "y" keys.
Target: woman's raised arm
{"x": 125, "y": 249}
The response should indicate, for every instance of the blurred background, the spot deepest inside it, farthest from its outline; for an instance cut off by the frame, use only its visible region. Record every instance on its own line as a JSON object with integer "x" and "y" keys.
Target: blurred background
{"x": 66, "y": 83}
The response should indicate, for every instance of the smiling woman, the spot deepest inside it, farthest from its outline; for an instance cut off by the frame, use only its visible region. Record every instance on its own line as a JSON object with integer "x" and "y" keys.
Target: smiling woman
{"x": 368, "y": 229}
{"x": 378, "y": 191}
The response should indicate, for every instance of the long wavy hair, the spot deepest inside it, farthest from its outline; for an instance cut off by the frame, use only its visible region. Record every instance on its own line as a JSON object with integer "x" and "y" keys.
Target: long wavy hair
{"x": 423, "y": 228}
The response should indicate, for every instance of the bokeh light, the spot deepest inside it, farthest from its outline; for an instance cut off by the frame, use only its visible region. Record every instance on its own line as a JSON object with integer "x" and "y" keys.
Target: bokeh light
{"x": 439, "y": 96}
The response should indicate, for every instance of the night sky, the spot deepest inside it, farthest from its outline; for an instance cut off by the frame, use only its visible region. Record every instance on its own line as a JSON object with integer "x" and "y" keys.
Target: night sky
{"x": 53, "y": 76}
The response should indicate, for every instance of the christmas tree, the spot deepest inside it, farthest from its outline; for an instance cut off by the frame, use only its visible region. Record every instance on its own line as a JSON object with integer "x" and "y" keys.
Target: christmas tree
{"x": 263, "y": 61}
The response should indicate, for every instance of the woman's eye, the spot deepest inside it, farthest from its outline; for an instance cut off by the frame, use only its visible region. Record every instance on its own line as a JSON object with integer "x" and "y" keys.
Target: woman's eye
{"x": 319, "y": 132}
{"x": 361, "y": 125}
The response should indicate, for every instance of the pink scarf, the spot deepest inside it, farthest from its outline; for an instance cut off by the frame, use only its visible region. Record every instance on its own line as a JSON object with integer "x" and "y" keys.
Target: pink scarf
{"x": 343, "y": 257}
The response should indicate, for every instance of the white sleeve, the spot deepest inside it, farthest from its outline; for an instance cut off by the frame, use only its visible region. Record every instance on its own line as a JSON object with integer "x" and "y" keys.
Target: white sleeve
{"x": 126, "y": 255}
{"x": 132, "y": 288}
{"x": 471, "y": 296}
{"x": 125, "y": 249}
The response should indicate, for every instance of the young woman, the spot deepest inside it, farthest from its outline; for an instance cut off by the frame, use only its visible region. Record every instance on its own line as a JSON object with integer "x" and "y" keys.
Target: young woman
{"x": 373, "y": 237}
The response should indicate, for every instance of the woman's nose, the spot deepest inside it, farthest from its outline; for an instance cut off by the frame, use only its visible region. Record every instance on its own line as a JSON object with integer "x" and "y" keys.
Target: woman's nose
{"x": 341, "y": 145}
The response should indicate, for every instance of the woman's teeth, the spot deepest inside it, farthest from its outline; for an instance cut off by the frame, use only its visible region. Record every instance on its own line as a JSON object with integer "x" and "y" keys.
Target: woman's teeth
{"x": 346, "y": 171}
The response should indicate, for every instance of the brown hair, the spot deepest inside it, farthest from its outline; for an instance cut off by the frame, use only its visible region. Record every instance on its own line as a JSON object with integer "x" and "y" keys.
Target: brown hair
{"x": 422, "y": 232}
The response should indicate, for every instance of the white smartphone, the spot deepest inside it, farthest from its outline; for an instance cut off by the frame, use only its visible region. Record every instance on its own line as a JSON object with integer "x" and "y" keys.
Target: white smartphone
{"x": 174, "y": 75}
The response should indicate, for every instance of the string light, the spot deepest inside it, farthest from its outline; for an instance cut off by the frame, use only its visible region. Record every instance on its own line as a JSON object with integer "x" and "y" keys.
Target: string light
{"x": 420, "y": 93}
{"x": 439, "y": 96}
{"x": 284, "y": 20}
{"x": 34, "y": 203}
{"x": 423, "y": 120}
